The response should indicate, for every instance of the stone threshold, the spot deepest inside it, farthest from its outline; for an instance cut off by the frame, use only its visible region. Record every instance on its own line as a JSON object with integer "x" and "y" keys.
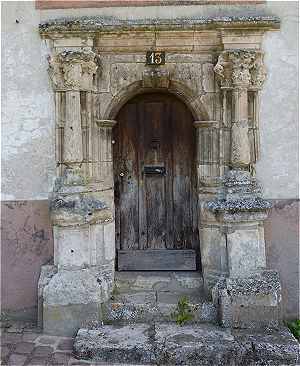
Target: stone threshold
{"x": 169, "y": 344}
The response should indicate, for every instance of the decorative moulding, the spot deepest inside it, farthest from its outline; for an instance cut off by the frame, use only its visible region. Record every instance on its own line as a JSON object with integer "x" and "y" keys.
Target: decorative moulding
{"x": 105, "y": 24}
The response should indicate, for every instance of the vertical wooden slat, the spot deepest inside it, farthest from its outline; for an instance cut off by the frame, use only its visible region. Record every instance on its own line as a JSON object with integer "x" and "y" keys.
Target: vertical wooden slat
{"x": 156, "y": 211}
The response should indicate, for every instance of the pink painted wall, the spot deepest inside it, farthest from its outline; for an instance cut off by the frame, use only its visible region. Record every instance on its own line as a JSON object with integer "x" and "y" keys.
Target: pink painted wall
{"x": 26, "y": 244}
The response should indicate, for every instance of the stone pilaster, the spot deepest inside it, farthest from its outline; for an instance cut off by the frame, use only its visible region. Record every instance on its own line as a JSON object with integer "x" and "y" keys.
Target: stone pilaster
{"x": 248, "y": 295}
{"x": 239, "y": 71}
{"x": 81, "y": 214}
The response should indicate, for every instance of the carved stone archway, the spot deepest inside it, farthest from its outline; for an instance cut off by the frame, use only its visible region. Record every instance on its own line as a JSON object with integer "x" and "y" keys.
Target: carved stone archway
{"x": 94, "y": 72}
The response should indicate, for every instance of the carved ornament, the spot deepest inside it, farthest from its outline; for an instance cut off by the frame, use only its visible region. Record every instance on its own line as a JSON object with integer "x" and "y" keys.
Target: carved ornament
{"x": 241, "y": 68}
{"x": 73, "y": 70}
{"x": 156, "y": 78}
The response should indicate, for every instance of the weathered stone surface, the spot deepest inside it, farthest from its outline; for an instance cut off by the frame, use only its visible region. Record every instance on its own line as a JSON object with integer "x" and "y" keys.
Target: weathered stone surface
{"x": 169, "y": 344}
{"x": 70, "y": 298}
{"x": 24, "y": 347}
{"x": 115, "y": 344}
{"x": 249, "y": 302}
{"x": 147, "y": 306}
{"x": 47, "y": 272}
{"x": 99, "y": 23}
{"x": 158, "y": 281}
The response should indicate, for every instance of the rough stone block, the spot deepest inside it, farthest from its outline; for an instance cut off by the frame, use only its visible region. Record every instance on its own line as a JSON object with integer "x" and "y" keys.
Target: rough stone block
{"x": 252, "y": 302}
{"x": 73, "y": 247}
{"x": 47, "y": 272}
{"x": 115, "y": 344}
{"x": 70, "y": 298}
{"x": 191, "y": 345}
{"x": 246, "y": 252}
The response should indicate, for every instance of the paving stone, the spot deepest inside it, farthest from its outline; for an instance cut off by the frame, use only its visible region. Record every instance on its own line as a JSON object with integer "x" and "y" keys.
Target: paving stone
{"x": 4, "y": 351}
{"x": 11, "y": 338}
{"x": 30, "y": 337}
{"x": 17, "y": 360}
{"x": 42, "y": 351}
{"x": 60, "y": 358}
{"x": 66, "y": 344}
{"x": 38, "y": 361}
{"x": 24, "y": 347}
{"x": 47, "y": 340}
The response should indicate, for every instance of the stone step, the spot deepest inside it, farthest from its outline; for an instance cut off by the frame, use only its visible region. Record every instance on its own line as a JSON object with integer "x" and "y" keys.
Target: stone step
{"x": 143, "y": 297}
{"x": 158, "y": 281}
{"x": 151, "y": 306}
{"x": 202, "y": 344}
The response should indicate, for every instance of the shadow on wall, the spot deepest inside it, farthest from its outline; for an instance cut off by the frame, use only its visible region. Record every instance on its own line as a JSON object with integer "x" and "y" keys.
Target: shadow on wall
{"x": 282, "y": 250}
{"x": 26, "y": 244}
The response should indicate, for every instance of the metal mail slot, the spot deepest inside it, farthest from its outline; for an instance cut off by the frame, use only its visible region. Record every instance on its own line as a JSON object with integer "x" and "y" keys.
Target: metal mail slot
{"x": 155, "y": 170}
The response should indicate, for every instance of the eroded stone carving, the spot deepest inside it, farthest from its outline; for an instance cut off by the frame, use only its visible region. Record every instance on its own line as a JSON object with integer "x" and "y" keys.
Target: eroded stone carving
{"x": 156, "y": 78}
{"x": 71, "y": 205}
{"x": 73, "y": 70}
{"x": 240, "y": 67}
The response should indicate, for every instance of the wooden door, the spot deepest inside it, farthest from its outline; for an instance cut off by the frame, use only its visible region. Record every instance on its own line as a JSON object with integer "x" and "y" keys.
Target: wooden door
{"x": 155, "y": 185}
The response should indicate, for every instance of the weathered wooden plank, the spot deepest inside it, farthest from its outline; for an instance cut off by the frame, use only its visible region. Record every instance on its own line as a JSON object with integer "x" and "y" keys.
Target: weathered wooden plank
{"x": 157, "y": 260}
{"x": 155, "y": 211}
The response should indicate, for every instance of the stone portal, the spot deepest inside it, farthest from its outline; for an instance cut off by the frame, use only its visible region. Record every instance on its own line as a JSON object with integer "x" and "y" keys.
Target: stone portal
{"x": 216, "y": 68}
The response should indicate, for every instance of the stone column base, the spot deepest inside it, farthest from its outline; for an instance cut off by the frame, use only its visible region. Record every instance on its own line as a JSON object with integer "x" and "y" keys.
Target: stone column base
{"x": 70, "y": 299}
{"x": 252, "y": 302}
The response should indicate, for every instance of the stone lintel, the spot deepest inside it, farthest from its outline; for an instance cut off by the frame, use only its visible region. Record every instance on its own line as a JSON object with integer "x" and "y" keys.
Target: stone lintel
{"x": 88, "y": 25}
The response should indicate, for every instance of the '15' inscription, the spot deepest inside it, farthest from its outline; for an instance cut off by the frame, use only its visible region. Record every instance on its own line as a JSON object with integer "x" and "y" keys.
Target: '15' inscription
{"x": 155, "y": 58}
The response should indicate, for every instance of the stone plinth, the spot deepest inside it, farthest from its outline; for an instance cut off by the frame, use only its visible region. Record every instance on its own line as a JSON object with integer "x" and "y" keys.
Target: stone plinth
{"x": 81, "y": 279}
{"x": 249, "y": 302}
{"x": 247, "y": 295}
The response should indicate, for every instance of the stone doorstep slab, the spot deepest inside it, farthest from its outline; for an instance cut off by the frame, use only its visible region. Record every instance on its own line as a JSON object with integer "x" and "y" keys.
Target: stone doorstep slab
{"x": 169, "y": 344}
{"x": 158, "y": 280}
{"x": 149, "y": 306}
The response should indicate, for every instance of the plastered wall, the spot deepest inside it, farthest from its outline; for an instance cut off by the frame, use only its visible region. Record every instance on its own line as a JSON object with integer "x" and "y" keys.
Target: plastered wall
{"x": 28, "y": 162}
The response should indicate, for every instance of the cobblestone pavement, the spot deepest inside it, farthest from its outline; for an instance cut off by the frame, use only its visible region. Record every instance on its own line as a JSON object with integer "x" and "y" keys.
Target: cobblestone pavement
{"x": 23, "y": 344}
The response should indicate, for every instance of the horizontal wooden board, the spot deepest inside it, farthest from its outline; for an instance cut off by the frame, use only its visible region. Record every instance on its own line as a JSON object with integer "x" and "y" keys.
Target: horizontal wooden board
{"x": 157, "y": 260}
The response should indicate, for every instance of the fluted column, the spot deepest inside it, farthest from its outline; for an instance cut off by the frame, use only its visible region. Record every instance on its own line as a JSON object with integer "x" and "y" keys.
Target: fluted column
{"x": 105, "y": 160}
{"x": 240, "y": 71}
{"x": 207, "y": 152}
{"x": 72, "y": 72}
{"x": 72, "y": 143}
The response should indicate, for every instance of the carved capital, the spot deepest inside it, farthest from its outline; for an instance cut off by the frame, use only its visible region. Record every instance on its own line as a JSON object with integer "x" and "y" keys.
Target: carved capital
{"x": 73, "y": 70}
{"x": 241, "y": 68}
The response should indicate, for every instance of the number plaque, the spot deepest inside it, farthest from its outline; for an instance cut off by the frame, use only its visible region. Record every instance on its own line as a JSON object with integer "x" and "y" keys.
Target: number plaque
{"x": 155, "y": 58}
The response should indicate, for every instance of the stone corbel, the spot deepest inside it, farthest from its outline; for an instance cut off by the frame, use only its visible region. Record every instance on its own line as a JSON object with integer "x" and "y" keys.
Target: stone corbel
{"x": 73, "y": 70}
